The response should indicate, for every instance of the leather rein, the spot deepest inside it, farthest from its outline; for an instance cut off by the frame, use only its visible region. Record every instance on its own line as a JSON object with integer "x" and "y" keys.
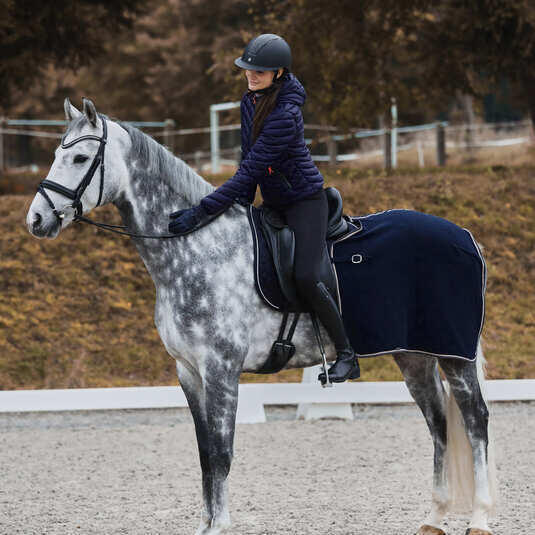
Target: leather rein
{"x": 76, "y": 194}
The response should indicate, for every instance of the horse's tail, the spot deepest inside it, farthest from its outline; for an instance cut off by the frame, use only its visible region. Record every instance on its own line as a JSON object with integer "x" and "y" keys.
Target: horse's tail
{"x": 459, "y": 460}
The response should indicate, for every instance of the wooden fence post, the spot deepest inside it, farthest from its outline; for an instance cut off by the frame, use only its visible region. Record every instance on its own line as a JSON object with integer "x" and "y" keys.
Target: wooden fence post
{"x": 331, "y": 150}
{"x": 237, "y": 156}
{"x": 3, "y": 121}
{"x": 198, "y": 163}
{"x": 168, "y": 138}
{"x": 387, "y": 149}
{"x": 394, "y": 134}
{"x": 441, "y": 145}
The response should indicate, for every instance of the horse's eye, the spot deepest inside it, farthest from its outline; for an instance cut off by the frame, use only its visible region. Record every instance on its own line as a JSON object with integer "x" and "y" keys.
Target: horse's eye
{"x": 80, "y": 158}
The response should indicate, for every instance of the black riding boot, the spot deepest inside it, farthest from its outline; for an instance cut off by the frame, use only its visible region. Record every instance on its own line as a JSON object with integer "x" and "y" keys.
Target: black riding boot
{"x": 347, "y": 364}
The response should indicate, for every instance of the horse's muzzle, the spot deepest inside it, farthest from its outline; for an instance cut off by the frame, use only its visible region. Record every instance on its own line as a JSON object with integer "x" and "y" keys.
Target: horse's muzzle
{"x": 42, "y": 227}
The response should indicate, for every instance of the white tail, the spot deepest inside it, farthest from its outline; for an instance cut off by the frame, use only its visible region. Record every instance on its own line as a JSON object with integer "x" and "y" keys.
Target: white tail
{"x": 459, "y": 460}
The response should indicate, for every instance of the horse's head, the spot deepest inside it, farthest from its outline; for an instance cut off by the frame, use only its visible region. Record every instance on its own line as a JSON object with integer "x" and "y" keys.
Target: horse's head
{"x": 86, "y": 171}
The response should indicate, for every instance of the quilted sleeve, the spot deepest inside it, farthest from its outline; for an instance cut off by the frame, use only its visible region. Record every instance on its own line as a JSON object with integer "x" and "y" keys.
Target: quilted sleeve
{"x": 278, "y": 131}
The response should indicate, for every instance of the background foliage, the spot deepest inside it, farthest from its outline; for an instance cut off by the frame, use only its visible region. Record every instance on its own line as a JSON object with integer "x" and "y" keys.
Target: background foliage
{"x": 173, "y": 58}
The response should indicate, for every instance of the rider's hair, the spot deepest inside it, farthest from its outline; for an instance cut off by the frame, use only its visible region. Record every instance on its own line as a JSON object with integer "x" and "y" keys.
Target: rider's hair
{"x": 267, "y": 103}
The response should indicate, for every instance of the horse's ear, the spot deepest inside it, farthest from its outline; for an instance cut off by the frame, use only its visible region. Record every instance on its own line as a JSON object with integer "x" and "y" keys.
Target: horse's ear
{"x": 90, "y": 111}
{"x": 70, "y": 111}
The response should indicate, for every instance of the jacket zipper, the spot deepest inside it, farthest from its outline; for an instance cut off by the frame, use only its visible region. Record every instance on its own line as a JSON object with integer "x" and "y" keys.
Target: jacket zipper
{"x": 285, "y": 180}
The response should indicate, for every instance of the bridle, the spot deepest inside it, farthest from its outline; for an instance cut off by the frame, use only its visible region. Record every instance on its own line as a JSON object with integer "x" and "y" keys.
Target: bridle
{"x": 76, "y": 194}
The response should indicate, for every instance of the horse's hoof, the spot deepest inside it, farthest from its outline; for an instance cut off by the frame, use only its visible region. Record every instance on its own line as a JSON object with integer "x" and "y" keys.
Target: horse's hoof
{"x": 476, "y": 531}
{"x": 430, "y": 530}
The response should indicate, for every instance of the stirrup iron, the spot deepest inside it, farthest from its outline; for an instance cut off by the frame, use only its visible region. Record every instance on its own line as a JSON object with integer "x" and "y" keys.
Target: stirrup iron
{"x": 314, "y": 319}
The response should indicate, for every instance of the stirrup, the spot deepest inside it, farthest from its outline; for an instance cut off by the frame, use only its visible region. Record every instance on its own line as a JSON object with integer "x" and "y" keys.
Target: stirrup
{"x": 327, "y": 382}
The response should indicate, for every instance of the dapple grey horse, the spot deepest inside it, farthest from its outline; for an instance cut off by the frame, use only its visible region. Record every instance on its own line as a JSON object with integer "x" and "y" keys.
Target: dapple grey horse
{"x": 212, "y": 321}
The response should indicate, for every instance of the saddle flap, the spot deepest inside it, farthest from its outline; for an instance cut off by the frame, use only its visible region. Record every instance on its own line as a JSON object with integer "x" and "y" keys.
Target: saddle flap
{"x": 281, "y": 243}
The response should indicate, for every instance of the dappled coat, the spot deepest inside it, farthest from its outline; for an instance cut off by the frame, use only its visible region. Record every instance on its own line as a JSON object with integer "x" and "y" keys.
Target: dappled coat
{"x": 279, "y": 160}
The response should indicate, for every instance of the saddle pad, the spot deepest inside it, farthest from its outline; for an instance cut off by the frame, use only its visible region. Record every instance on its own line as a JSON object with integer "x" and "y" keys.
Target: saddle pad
{"x": 411, "y": 281}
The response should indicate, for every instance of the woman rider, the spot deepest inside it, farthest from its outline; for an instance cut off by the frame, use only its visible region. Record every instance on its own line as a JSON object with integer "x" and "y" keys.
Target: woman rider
{"x": 274, "y": 155}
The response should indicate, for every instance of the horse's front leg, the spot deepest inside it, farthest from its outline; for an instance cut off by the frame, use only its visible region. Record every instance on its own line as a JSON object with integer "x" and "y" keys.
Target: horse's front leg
{"x": 213, "y": 398}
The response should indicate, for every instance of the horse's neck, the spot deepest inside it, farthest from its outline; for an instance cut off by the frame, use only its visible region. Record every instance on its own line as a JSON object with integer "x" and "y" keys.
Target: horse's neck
{"x": 158, "y": 184}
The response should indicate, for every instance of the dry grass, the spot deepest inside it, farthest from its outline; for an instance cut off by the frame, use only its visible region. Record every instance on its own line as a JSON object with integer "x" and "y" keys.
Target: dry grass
{"x": 77, "y": 311}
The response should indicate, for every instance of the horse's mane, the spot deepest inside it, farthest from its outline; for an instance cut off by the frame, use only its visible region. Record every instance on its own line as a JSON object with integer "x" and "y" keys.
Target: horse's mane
{"x": 153, "y": 160}
{"x": 148, "y": 160}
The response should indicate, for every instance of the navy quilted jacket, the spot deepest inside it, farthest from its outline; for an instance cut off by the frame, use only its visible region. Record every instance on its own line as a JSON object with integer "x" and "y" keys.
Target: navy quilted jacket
{"x": 279, "y": 160}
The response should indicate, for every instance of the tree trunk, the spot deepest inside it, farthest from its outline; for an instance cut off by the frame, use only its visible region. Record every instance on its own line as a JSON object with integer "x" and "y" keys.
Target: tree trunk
{"x": 528, "y": 83}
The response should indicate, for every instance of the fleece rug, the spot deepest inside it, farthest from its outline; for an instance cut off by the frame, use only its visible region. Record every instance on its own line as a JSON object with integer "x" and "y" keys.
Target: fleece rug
{"x": 411, "y": 281}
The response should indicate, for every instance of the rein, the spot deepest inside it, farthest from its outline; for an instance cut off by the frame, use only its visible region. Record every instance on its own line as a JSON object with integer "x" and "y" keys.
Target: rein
{"x": 123, "y": 231}
{"x": 76, "y": 194}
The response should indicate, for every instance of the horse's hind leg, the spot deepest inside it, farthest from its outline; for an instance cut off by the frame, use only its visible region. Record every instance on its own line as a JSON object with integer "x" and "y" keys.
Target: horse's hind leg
{"x": 213, "y": 402}
{"x": 464, "y": 382}
{"x": 423, "y": 381}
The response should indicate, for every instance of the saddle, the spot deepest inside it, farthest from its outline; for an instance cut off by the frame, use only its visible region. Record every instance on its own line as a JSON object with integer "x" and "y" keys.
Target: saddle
{"x": 274, "y": 244}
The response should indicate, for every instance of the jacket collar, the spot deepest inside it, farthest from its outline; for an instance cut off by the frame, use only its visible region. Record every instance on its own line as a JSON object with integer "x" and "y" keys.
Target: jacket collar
{"x": 292, "y": 91}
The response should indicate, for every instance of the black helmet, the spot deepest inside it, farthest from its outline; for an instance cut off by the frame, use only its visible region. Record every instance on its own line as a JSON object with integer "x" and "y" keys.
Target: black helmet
{"x": 267, "y": 52}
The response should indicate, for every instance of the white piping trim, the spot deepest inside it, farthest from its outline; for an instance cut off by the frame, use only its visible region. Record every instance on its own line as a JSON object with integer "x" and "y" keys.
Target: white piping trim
{"x": 484, "y": 283}
{"x": 385, "y": 211}
{"x": 257, "y": 258}
{"x": 401, "y": 350}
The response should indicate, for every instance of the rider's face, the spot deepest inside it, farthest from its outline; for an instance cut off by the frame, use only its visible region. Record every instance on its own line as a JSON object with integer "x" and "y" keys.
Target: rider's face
{"x": 259, "y": 79}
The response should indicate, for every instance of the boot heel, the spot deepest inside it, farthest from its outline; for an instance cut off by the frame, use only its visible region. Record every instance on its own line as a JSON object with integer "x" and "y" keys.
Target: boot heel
{"x": 355, "y": 374}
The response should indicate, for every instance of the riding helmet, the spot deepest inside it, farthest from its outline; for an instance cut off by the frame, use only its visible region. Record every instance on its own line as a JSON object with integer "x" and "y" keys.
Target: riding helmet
{"x": 267, "y": 52}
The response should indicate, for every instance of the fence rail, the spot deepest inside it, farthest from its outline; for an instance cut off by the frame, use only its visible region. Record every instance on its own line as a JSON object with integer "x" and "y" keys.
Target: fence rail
{"x": 367, "y": 143}
{"x": 252, "y": 397}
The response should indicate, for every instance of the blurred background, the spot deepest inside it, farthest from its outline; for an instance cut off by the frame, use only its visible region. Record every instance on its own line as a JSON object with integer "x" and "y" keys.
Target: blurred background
{"x": 427, "y": 105}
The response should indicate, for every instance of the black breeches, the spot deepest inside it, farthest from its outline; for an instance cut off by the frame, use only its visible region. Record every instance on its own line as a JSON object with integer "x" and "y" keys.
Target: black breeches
{"x": 308, "y": 220}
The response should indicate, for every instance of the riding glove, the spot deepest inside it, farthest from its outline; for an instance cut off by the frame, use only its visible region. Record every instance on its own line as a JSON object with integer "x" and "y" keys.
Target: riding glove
{"x": 187, "y": 220}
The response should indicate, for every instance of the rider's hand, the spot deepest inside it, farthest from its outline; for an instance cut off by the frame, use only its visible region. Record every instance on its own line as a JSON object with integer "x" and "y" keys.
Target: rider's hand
{"x": 184, "y": 221}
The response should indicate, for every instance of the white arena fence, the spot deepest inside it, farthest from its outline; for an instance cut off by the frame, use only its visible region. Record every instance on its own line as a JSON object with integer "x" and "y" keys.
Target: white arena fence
{"x": 311, "y": 399}
{"x": 24, "y": 144}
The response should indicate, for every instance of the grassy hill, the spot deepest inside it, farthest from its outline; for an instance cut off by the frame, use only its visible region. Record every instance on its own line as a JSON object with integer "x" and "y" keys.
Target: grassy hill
{"x": 77, "y": 311}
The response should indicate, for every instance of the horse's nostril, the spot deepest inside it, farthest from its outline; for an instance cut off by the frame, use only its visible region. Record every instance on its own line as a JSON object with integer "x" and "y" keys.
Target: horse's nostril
{"x": 37, "y": 220}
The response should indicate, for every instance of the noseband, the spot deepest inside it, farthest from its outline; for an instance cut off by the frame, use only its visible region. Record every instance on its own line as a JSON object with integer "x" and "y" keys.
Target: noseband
{"x": 76, "y": 194}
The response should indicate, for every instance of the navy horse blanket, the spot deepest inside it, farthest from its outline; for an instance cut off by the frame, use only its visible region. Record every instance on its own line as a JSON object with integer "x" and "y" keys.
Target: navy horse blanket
{"x": 408, "y": 281}
{"x": 417, "y": 284}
